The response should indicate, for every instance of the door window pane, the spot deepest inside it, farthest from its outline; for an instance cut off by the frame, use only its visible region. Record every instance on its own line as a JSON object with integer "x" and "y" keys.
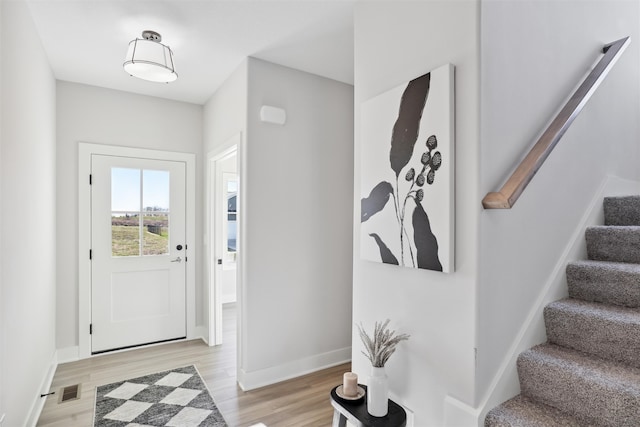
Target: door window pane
{"x": 155, "y": 199}
{"x": 155, "y": 234}
{"x": 155, "y": 190}
{"x": 125, "y": 190}
{"x": 230, "y": 220}
{"x": 232, "y": 212}
{"x": 139, "y": 212}
{"x": 125, "y": 234}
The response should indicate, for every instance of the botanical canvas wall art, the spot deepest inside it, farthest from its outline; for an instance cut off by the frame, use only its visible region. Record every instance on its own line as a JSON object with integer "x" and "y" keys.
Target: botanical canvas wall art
{"x": 407, "y": 174}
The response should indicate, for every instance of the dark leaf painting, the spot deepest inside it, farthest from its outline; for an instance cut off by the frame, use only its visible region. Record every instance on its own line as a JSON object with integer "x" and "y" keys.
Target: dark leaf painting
{"x": 405, "y": 130}
{"x": 385, "y": 254}
{"x": 407, "y": 173}
{"x": 376, "y": 201}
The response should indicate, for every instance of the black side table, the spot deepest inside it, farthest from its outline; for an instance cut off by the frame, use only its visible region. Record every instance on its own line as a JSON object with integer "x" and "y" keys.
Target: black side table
{"x": 356, "y": 413}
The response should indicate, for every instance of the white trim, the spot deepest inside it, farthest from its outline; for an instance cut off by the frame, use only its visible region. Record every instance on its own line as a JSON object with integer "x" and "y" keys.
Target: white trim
{"x": 241, "y": 240}
{"x": 85, "y": 151}
{"x": 293, "y": 369}
{"x": 38, "y": 403}
{"x": 228, "y": 148}
{"x": 505, "y": 382}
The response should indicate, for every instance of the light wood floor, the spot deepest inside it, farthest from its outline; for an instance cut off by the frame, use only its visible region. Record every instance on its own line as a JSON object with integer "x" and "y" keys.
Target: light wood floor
{"x": 302, "y": 401}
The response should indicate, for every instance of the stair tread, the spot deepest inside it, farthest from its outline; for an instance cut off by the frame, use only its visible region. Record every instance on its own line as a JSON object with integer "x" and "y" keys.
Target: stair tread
{"x": 627, "y": 197}
{"x": 607, "y": 265}
{"x": 606, "y": 371}
{"x": 523, "y": 411}
{"x": 589, "y": 308}
{"x": 590, "y": 388}
{"x": 603, "y": 330}
{"x": 628, "y": 228}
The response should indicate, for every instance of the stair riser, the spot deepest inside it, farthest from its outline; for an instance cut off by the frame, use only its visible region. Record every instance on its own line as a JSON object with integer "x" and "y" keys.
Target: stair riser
{"x": 607, "y": 286}
{"x": 618, "y": 244}
{"x": 622, "y": 210}
{"x": 578, "y": 393}
{"x": 612, "y": 339}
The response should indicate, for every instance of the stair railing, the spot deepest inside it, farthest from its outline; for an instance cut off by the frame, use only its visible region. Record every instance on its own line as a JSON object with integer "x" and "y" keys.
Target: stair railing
{"x": 515, "y": 185}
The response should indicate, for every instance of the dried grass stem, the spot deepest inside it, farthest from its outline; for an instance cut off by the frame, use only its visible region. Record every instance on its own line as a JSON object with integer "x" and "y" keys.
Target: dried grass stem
{"x": 379, "y": 349}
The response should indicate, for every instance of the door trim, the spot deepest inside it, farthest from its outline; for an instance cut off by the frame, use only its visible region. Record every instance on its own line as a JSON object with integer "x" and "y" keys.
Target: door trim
{"x": 85, "y": 151}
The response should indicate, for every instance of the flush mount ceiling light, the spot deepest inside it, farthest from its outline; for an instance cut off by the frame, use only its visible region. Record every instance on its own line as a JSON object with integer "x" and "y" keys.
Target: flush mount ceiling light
{"x": 148, "y": 59}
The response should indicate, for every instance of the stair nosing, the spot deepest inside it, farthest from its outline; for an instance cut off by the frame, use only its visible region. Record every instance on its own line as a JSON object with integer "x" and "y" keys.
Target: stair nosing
{"x": 617, "y": 312}
{"x": 613, "y": 227}
{"x": 506, "y": 408}
{"x": 612, "y": 265}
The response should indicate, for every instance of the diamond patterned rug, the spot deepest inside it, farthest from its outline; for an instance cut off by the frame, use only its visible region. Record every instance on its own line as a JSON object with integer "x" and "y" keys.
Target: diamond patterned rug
{"x": 171, "y": 398}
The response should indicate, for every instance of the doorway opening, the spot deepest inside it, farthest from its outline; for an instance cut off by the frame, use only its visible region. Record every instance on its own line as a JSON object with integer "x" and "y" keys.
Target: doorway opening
{"x": 223, "y": 239}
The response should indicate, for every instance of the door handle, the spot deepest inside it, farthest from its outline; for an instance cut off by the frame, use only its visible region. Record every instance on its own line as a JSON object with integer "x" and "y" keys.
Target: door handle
{"x": 177, "y": 260}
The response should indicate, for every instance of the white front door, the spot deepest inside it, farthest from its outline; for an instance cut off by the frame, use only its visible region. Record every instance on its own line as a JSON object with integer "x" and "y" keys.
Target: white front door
{"x": 138, "y": 251}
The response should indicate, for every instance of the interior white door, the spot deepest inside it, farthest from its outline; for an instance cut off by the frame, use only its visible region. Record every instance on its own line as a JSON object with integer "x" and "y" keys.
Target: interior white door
{"x": 138, "y": 252}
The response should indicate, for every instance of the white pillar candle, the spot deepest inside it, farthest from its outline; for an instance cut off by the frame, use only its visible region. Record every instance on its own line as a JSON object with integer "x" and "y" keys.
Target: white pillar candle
{"x": 350, "y": 386}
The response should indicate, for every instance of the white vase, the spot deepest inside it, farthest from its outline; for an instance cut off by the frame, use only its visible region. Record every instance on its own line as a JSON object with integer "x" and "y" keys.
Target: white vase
{"x": 378, "y": 392}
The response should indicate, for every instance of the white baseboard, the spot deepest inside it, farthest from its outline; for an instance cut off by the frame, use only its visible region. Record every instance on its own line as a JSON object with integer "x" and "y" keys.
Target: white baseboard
{"x": 45, "y": 386}
{"x": 505, "y": 383}
{"x": 201, "y": 332}
{"x": 68, "y": 354}
{"x": 459, "y": 414}
{"x": 263, "y": 377}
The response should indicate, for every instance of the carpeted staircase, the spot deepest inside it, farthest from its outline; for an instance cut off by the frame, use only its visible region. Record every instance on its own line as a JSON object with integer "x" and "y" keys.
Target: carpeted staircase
{"x": 588, "y": 372}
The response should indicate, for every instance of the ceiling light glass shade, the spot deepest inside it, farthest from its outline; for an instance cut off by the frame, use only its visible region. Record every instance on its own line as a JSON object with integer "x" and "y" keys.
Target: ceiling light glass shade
{"x": 148, "y": 59}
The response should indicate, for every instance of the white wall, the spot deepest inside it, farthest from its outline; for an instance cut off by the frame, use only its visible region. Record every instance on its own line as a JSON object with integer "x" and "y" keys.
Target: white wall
{"x": 105, "y": 116}
{"x": 394, "y": 43}
{"x": 297, "y": 214}
{"x": 225, "y": 113}
{"x": 28, "y": 230}
{"x": 534, "y": 53}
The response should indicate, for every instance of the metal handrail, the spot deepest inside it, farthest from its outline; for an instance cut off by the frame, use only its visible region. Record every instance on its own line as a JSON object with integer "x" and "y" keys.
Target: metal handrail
{"x": 515, "y": 185}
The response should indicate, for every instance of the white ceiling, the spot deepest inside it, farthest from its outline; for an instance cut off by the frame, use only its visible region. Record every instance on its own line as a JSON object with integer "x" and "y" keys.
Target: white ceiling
{"x": 86, "y": 40}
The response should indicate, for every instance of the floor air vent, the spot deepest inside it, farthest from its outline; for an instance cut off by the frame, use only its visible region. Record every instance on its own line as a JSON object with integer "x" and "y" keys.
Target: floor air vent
{"x": 71, "y": 392}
